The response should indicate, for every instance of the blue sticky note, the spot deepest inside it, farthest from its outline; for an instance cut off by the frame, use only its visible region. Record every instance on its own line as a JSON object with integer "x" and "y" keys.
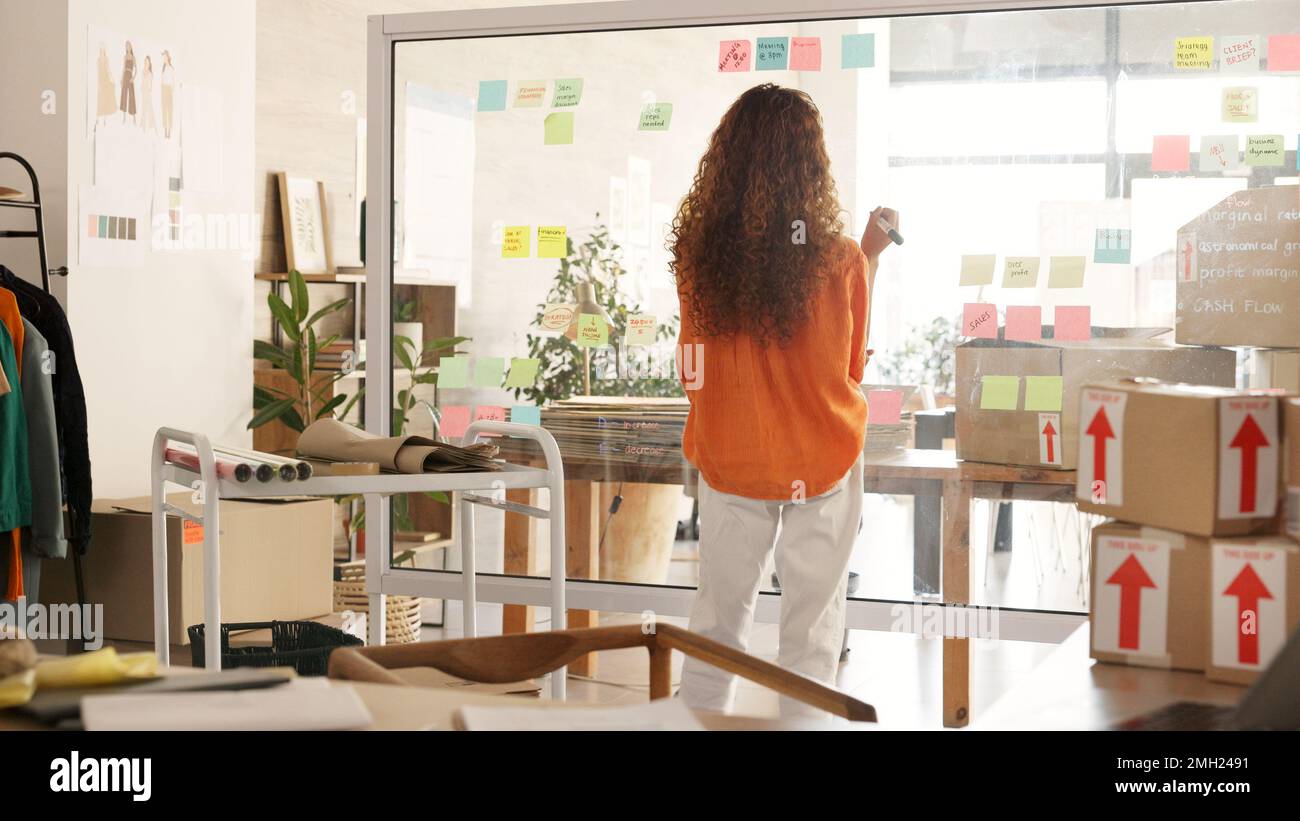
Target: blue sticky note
{"x": 1114, "y": 246}
{"x": 491, "y": 95}
{"x": 857, "y": 51}
{"x": 526, "y": 414}
{"x": 773, "y": 54}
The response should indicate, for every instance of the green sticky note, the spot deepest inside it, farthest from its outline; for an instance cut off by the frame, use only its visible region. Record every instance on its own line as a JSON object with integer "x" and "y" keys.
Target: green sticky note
{"x": 559, "y": 128}
{"x": 773, "y": 54}
{"x": 515, "y": 242}
{"x": 1066, "y": 272}
{"x": 487, "y": 371}
{"x": 453, "y": 372}
{"x": 999, "y": 392}
{"x": 1043, "y": 393}
{"x": 592, "y": 331}
{"x": 551, "y": 242}
{"x": 567, "y": 93}
{"x": 656, "y": 117}
{"x": 977, "y": 269}
{"x": 523, "y": 373}
{"x": 1265, "y": 150}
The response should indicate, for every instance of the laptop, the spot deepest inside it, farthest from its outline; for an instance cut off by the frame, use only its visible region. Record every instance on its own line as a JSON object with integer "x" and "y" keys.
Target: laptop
{"x": 1269, "y": 704}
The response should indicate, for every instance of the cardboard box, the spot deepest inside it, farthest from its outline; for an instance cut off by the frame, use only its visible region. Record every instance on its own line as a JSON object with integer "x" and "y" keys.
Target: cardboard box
{"x": 1254, "y": 604}
{"x": 276, "y": 563}
{"x": 1238, "y": 274}
{"x": 1291, "y": 468}
{"x": 1035, "y": 434}
{"x": 1198, "y": 459}
{"x": 1275, "y": 368}
{"x": 1148, "y": 601}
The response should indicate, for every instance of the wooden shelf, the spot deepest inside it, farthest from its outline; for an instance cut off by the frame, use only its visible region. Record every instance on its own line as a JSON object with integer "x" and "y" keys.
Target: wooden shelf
{"x": 344, "y": 278}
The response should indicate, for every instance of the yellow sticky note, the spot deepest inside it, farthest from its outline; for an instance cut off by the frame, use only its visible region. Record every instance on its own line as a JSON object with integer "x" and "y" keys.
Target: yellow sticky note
{"x": 1043, "y": 393}
{"x": 558, "y": 128}
{"x": 641, "y": 329}
{"x": 551, "y": 242}
{"x": 977, "y": 269}
{"x": 530, "y": 93}
{"x": 592, "y": 331}
{"x": 999, "y": 392}
{"x": 523, "y": 373}
{"x": 1066, "y": 272}
{"x": 1240, "y": 104}
{"x": 515, "y": 242}
{"x": 1020, "y": 272}
{"x": 1194, "y": 52}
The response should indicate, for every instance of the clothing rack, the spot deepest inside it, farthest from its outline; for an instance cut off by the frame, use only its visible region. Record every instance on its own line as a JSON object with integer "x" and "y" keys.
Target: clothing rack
{"x": 34, "y": 205}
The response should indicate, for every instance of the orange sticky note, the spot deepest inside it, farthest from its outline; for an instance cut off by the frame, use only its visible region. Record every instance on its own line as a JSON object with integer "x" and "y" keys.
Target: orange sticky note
{"x": 979, "y": 319}
{"x": 884, "y": 407}
{"x": 1024, "y": 323}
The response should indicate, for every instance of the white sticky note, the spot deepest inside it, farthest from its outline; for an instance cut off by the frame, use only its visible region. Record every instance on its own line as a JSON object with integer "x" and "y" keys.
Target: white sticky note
{"x": 1239, "y": 54}
{"x": 1220, "y": 153}
{"x": 1101, "y": 447}
{"x": 1130, "y": 596}
{"x": 1249, "y": 448}
{"x": 1247, "y": 603}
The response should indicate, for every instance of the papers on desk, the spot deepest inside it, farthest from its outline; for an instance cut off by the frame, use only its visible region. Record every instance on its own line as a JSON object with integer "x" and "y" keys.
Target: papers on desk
{"x": 662, "y": 714}
{"x": 300, "y": 704}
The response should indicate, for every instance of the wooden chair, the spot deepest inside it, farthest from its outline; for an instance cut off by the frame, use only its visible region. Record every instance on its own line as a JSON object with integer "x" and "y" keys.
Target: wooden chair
{"x": 519, "y": 656}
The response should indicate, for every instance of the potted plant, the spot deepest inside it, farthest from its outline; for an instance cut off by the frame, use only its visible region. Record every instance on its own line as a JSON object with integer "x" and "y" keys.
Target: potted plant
{"x": 637, "y": 541}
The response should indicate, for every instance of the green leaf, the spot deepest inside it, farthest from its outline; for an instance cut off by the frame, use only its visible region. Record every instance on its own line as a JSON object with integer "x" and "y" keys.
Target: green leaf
{"x": 298, "y": 288}
{"x": 438, "y": 496}
{"x": 284, "y": 315}
{"x": 269, "y": 353}
{"x": 333, "y": 307}
{"x": 270, "y": 413}
{"x": 294, "y": 420}
{"x": 347, "y": 408}
{"x": 403, "y": 347}
{"x": 331, "y": 405}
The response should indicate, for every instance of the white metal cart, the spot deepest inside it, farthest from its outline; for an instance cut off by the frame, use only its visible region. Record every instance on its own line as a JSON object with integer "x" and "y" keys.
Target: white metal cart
{"x": 381, "y": 577}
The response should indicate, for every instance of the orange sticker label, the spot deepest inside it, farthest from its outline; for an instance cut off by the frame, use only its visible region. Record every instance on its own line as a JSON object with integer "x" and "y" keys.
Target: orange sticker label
{"x": 191, "y": 532}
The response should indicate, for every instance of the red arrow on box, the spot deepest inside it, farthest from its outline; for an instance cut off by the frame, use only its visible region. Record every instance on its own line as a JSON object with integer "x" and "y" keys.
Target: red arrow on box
{"x": 1131, "y": 578}
{"x": 1249, "y": 439}
{"x": 1099, "y": 429}
{"x": 1050, "y": 433}
{"x": 1248, "y": 588}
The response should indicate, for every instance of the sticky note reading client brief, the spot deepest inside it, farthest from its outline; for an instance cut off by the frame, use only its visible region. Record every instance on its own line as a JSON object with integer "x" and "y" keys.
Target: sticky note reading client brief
{"x": 1043, "y": 393}
{"x": 999, "y": 392}
{"x": 884, "y": 407}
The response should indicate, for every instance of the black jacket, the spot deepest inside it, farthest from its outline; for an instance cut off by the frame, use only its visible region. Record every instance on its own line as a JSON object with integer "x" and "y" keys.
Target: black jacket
{"x": 45, "y": 313}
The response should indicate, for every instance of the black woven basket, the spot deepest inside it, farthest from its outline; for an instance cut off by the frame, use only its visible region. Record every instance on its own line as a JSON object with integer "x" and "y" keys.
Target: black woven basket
{"x": 303, "y": 645}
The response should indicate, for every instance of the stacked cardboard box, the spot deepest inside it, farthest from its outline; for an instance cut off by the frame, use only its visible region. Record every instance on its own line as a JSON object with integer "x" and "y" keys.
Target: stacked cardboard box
{"x": 1196, "y": 571}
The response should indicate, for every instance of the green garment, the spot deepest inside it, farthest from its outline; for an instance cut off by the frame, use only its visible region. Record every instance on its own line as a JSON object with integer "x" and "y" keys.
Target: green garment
{"x": 15, "y": 482}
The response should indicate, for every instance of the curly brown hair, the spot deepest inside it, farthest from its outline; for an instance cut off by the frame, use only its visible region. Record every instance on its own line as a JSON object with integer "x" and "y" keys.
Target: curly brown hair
{"x": 733, "y": 240}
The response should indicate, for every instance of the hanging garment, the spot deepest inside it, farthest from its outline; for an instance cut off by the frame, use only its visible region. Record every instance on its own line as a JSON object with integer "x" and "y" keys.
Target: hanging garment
{"x": 15, "y": 483}
{"x": 4, "y": 384}
{"x": 46, "y": 315}
{"x": 42, "y": 448}
{"x": 12, "y": 319}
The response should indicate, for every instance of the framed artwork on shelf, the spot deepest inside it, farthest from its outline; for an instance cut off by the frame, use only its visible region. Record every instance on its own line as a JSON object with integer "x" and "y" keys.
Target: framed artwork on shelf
{"x": 306, "y": 230}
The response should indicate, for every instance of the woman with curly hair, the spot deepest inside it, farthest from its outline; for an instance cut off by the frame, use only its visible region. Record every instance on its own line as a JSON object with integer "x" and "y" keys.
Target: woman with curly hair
{"x": 774, "y": 307}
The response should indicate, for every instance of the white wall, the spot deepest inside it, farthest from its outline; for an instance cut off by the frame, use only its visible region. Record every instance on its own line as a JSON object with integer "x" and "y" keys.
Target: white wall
{"x": 168, "y": 342}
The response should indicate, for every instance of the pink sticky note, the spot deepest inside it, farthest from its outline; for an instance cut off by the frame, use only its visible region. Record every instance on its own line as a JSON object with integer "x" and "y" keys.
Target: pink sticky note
{"x": 805, "y": 54}
{"x": 733, "y": 55}
{"x": 884, "y": 407}
{"x": 1284, "y": 52}
{"x": 494, "y": 413}
{"x": 455, "y": 418}
{"x": 979, "y": 319}
{"x": 1171, "y": 152}
{"x": 1024, "y": 323}
{"x": 1073, "y": 322}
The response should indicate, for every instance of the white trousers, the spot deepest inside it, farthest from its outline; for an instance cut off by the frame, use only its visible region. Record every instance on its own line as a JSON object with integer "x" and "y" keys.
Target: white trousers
{"x": 813, "y": 541}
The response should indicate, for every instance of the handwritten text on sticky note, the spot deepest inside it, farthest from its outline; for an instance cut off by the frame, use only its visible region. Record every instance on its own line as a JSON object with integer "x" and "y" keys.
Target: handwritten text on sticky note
{"x": 655, "y": 117}
{"x": 1265, "y": 150}
{"x": 567, "y": 93}
{"x": 733, "y": 55}
{"x": 1194, "y": 53}
{"x": 556, "y": 316}
{"x": 1239, "y": 54}
{"x": 1241, "y": 104}
{"x": 515, "y": 242}
{"x": 530, "y": 94}
{"x": 806, "y": 54}
{"x": 1219, "y": 153}
{"x": 772, "y": 53}
{"x": 641, "y": 329}
{"x": 593, "y": 332}
{"x": 552, "y": 242}
{"x": 1020, "y": 272}
{"x": 979, "y": 320}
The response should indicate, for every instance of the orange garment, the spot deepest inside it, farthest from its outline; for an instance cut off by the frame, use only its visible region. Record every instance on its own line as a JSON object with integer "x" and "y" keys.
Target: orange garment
{"x": 781, "y": 423}
{"x": 14, "y": 322}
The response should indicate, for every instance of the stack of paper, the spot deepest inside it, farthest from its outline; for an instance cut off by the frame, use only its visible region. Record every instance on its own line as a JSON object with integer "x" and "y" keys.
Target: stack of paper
{"x": 301, "y": 704}
{"x": 661, "y": 714}
{"x": 644, "y": 431}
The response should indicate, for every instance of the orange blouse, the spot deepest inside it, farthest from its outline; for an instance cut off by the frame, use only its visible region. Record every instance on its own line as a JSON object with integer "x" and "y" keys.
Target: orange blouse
{"x": 780, "y": 423}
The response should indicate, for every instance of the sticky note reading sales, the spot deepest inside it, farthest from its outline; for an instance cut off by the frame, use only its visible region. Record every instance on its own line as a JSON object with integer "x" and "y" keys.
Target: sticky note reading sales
{"x": 884, "y": 407}
{"x": 1284, "y": 52}
{"x": 857, "y": 51}
{"x": 655, "y": 117}
{"x": 492, "y": 95}
{"x": 1020, "y": 272}
{"x": 1171, "y": 152}
{"x": 1239, "y": 54}
{"x": 641, "y": 329}
{"x": 1114, "y": 246}
{"x": 487, "y": 371}
{"x": 1219, "y": 153}
{"x": 977, "y": 269}
{"x": 1024, "y": 323}
{"x": 1042, "y": 393}
{"x": 979, "y": 320}
{"x": 530, "y": 94}
{"x": 552, "y": 242}
{"x": 999, "y": 392}
{"x": 1241, "y": 104}
{"x": 453, "y": 372}
{"x": 1072, "y": 323}
{"x": 559, "y": 128}
{"x": 523, "y": 373}
{"x": 567, "y": 93}
{"x": 592, "y": 331}
{"x": 515, "y": 242}
{"x": 733, "y": 55}
{"x": 772, "y": 54}
{"x": 1066, "y": 272}
{"x": 1265, "y": 150}
{"x": 806, "y": 54}
{"x": 1194, "y": 53}
{"x": 526, "y": 414}
{"x": 455, "y": 418}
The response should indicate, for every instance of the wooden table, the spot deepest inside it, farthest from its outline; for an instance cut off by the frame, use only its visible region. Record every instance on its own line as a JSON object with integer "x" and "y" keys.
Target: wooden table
{"x": 1070, "y": 691}
{"x": 923, "y": 473}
